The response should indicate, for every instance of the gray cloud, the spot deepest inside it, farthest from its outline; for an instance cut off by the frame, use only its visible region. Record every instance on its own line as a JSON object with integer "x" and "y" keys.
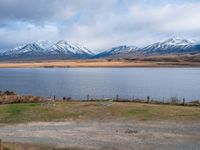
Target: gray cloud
{"x": 34, "y": 11}
{"x": 97, "y": 24}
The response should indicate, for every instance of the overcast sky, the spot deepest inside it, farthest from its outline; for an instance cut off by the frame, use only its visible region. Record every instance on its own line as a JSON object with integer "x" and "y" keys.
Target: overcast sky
{"x": 97, "y": 24}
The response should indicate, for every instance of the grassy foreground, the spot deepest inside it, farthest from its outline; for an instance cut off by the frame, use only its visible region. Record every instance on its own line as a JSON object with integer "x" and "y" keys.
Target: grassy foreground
{"x": 60, "y": 111}
{"x": 22, "y": 146}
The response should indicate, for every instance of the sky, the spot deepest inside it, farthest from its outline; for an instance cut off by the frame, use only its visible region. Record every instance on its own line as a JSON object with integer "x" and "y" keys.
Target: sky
{"x": 97, "y": 24}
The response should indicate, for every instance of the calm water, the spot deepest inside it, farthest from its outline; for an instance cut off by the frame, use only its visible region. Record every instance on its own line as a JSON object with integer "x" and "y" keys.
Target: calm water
{"x": 157, "y": 83}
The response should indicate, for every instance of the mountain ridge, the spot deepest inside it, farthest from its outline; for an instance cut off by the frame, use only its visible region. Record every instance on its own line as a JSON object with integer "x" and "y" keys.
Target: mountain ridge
{"x": 48, "y": 50}
{"x": 171, "y": 46}
{"x": 67, "y": 50}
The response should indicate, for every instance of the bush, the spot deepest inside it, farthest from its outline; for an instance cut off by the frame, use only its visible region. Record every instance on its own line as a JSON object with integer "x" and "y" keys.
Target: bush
{"x": 9, "y": 93}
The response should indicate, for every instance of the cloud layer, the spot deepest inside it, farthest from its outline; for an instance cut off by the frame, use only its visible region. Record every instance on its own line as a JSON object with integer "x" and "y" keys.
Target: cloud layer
{"x": 97, "y": 24}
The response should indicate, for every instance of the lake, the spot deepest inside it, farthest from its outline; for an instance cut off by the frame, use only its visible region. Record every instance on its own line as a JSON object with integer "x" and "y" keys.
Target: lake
{"x": 158, "y": 83}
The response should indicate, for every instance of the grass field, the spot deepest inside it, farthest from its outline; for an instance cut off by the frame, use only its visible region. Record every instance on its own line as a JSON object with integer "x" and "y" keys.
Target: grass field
{"x": 22, "y": 146}
{"x": 101, "y": 120}
{"x": 60, "y": 111}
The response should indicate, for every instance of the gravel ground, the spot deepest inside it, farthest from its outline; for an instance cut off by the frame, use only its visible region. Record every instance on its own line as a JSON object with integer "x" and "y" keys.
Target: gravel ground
{"x": 111, "y": 135}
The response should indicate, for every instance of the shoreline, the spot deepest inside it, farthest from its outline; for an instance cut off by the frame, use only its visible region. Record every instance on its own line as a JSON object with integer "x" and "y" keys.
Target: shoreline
{"x": 98, "y": 64}
{"x": 10, "y": 97}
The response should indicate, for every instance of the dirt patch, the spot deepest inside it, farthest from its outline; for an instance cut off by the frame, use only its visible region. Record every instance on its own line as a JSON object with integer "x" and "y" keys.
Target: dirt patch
{"x": 111, "y": 135}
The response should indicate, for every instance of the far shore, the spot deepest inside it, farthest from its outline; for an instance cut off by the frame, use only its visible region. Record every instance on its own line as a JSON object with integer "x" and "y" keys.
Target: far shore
{"x": 165, "y": 61}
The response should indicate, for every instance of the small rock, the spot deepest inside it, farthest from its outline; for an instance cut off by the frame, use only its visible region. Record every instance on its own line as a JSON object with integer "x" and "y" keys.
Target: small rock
{"x": 129, "y": 131}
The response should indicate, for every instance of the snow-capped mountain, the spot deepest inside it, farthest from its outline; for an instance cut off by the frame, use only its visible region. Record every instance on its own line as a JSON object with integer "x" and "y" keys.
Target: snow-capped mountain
{"x": 120, "y": 51}
{"x": 36, "y": 48}
{"x": 66, "y": 47}
{"x": 47, "y": 50}
{"x": 172, "y": 46}
{"x": 66, "y": 50}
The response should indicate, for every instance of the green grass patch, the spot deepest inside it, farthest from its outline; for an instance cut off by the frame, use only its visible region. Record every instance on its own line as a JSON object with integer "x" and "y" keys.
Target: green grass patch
{"x": 23, "y": 146}
{"x": 59, "y": 111}
{"x": 15, "y": 113}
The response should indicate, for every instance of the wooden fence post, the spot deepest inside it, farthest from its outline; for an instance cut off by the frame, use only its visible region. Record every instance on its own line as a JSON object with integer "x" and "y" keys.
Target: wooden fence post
{"x": 117, "y": 97}
{"x": 183, "y": 101}
{"x": 133, "y": 98}
{"x": 1, "y": 146}
{"x": 88, "y": 97}
{"x": 148, "y": 99}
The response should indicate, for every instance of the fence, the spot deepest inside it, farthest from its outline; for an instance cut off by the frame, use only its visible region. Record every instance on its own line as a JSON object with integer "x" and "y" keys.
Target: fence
{"x": 118, "y": 98}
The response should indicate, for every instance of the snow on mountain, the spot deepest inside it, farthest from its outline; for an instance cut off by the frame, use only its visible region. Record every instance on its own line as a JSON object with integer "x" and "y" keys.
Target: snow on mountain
{"x": 46, "y": 49}
{"x": 173, "y": 45}
{"x": 66, "y": 50}
{"x": 31, "y": 48}
{"x": 66, "y": 47}
{"x": 119, "y": 51}
{"x": 83, "y": 49}
{"x": 179, "y": 41}
{"x": 43, "y": 44}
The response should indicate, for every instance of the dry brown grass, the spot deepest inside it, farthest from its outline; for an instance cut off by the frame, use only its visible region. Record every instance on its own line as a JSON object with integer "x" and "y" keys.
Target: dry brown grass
{"x": 156, "y": 61}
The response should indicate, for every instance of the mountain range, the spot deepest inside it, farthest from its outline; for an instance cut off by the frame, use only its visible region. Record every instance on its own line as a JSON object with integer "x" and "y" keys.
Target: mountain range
{"x": 65, "y": 50}
{"x": 47, "y": 50}
{"x": 172, "y": 46}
